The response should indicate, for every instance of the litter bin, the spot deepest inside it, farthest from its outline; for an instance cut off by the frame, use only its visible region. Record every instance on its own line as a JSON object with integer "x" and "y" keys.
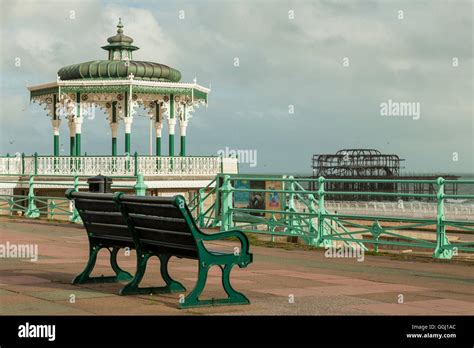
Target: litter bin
{"x": 100, "y": 184}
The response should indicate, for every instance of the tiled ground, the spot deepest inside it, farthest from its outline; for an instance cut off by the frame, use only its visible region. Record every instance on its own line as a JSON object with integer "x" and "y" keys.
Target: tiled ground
{"x": 279, "y": 281}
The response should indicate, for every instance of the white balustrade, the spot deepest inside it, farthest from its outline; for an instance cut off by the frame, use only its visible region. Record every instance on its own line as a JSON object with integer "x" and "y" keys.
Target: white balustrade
{"x": 114, "y": 165}
{"x": 153, "y": 165}
{"x": 10, "y": 165}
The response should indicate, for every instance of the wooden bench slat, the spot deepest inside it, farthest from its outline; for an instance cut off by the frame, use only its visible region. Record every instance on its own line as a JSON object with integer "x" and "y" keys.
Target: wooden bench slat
{"x": 165, "y": 210}
{"x": 175, "y": 246}
{"x": 96, "y": 205}
{"x": 172, "y": 249}
{"x": 166, "y": 236}
{"x": 147, "y": 199}
{"x": 177, "y": 225}
{"x": 103, "y": 217}
{"x": 99, "y": 229}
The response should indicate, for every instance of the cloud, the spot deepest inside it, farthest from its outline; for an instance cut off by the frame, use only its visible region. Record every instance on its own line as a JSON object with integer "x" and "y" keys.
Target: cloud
{"x": 282, "y": 62}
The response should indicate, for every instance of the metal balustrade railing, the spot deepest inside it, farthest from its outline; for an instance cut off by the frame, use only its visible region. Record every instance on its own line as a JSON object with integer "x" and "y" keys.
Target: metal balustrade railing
{"x": 33, "y": 205}
{"x": 318, "y": 221}
{"x": 309, "y": 215}
{"x": 115, "y": 165}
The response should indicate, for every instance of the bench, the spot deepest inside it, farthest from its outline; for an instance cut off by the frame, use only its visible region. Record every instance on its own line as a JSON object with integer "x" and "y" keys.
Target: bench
{"x": 162, "y": 227}
{"x": 106, "y": 229}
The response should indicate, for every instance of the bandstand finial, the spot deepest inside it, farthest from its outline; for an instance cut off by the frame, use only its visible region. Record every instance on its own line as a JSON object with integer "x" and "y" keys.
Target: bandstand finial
{"x": 120, "y": 26}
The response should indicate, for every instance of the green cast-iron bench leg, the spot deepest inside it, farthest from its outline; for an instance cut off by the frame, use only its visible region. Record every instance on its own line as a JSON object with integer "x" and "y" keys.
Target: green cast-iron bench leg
{"x": 120, "y": 274}
{"x": 234, "y": 297}
{"x": 133, "y": 288}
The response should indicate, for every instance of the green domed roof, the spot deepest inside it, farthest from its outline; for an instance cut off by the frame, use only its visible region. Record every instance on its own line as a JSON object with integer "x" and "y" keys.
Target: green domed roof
{"x": 119, "y": 64}
{"x": 110, "y": 69}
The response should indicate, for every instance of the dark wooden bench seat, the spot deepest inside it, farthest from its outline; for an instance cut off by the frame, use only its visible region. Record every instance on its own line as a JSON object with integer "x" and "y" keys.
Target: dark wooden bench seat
{"x": 162, "y": 227}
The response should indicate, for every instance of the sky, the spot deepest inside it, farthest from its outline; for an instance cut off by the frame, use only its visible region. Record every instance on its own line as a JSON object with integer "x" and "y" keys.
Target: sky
{"x": 312, "y": 76}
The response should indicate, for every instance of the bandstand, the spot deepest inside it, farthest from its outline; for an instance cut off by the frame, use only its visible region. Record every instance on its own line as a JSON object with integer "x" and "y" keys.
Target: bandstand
{"x": 118, "y": 86}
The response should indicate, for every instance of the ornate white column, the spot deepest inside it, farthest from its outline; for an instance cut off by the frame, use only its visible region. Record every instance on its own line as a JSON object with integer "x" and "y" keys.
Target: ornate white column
{"x": 78, "y": 119}
{"x": 68, "y": 110}
{"x": 113, "y": 121}
{"x": 56, "y": 123}
{"x": 185, "y": 115}
{"x": 183, "y": 124}
{"x": 113, "y": 130}
{"x": 171, "y": 128}
{"x": 158, "y": 127}
{"x": 78, "y": 128}
{"x": 169, "y": 113}
{"x": 72, "y": 136}
{"x": 128, "y": 130}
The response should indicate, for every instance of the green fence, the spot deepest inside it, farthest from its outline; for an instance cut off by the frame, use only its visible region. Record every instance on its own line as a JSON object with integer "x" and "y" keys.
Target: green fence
{"x": 303, "y": 213}
{"x": 310, "y": 215}
{"x": 32, "y": 205}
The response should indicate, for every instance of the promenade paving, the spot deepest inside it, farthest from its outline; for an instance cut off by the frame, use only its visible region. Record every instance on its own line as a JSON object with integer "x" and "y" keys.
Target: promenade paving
{"x": 278, "y": 282}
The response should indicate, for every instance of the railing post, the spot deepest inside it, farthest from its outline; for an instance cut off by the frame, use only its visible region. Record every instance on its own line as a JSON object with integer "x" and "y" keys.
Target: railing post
{"x": 135, "y": 171}
{"x": 312, "y": 230}
{"x": 127, "y": 162}
{"x": 36, "y": 162}
{"x": 56, "y": 164}
{"x": 11, "y": 204}
{"x": 284, "y": 206}
{"x": 113, "y": 163}
{"x": 320, "y": 241}
{"x": 217, "y": 202}
{"x": 441, "y": 239}
{"x": 201, "y": 208}
{"x": 8, "y": 163}
{"x": 291, "y": 205}
{"x": 32, "y": 211}
{"x": 75, "y": 214}
{"x": 23, "y": 163}
{"x": 140, "y": 187}
{"x": 227, "y": 204}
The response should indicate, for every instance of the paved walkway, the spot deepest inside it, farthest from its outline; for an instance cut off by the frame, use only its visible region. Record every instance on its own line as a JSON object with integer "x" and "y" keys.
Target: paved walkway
{"x": 279, "y": 282}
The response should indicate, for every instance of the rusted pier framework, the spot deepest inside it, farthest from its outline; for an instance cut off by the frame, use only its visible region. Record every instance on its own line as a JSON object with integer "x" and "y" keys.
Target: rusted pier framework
{"x": 370, "y": 164}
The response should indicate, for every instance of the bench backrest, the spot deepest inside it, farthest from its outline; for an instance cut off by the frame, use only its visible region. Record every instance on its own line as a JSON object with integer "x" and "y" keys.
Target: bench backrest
{"x": 162, "y": 224}
{"x": 101, "y": 216}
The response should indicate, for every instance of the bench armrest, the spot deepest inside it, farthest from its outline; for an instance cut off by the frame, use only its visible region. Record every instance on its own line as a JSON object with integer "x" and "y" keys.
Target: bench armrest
{"x": 69, "y": 193}
{"x": 226, "y": 234}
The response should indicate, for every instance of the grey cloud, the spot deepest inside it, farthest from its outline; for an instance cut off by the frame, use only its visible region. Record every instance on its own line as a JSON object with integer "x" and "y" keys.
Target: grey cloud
{"x": 283, "y": 62}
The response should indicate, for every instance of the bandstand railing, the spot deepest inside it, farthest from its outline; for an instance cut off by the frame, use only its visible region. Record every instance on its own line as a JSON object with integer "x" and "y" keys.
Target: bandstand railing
{"x": 116, "y": 165}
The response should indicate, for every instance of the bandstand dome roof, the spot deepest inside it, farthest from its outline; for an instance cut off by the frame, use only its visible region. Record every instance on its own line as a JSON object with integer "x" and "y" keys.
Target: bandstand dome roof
{"x": 110, "y": 69}
{"x": 120, "y": 64}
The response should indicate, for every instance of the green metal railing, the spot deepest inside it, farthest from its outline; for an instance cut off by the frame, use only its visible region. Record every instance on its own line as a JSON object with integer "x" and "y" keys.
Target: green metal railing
{"x": 32, "y": 205}
{"x": 205, "y": 217}
{"x": 307, "y": 214}
{"x": 303, "y": 213}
